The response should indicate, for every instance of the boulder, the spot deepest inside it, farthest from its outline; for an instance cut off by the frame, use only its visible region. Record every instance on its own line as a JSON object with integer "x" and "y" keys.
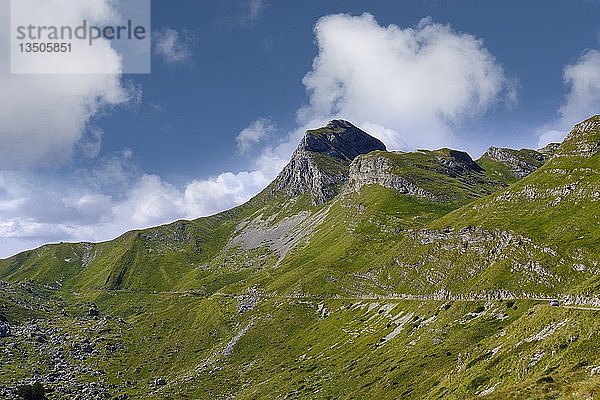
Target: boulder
{"x": 93, "y": 311}
{"x": 4, "y": 329}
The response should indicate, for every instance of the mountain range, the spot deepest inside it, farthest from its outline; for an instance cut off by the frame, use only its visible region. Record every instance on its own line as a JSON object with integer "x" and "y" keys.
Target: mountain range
{"x": 357, "y": 273}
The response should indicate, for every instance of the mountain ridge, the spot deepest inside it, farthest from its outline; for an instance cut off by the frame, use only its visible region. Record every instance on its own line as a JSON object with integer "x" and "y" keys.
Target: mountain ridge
{"x": 421, "y": 275}
{"x": 305, "y": 174}
{"x": 325, "y": 166}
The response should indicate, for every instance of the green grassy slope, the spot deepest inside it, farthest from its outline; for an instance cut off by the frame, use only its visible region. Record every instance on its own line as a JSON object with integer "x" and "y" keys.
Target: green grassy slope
{"x": 555, "y": 211}
{"x": 282, "y": 298}
{"x": 206, "y": 347}
{"x": 153, "y": 259}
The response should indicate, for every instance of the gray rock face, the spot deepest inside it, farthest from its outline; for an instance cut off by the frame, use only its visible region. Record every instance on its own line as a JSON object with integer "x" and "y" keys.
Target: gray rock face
{"x": 4, "y": 329}
{"x": 320, "y": 163}
{"x": 379, "y": 169}
{"x": 341, "y": 140}
{"x": 376, "y": 170}
{"x": 549, "y": 150}
{"x": 457, "y": 163}
{"x": 304, "y": 175}
{"x": 521, "y": 162}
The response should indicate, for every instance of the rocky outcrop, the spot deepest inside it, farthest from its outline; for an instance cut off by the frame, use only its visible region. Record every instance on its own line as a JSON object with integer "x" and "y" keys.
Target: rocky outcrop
{"x": 376, "y": 169}
{"x": 583, "y": 140}
{"x": 416, "y": 173}
{"x": 248, "y": 300}
{"x": 320, "y": 163}
{"x": 455, "y": 163}
{"x": 304, "y": 175}
{"x": 549, "y": 150}
{"x": 4, "y": 329}
{"x": 520, "y": 162}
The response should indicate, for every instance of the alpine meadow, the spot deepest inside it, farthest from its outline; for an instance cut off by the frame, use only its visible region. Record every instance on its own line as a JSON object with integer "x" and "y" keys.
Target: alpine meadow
{"x": 357, "y": 273}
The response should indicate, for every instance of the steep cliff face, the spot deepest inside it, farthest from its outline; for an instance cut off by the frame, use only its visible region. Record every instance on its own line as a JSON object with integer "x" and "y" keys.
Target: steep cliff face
{"x": 304, "y": 175}
{"x": 422, "y": 173}
{"x": 320, "y": 163}
{"x": 378, "y": 170}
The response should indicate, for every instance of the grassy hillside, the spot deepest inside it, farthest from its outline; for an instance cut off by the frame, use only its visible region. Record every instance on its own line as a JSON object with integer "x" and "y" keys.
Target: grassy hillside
{"x": 280, "y": 347}
{"x": 154, "y": 259}
{"x": 555, "y": 212}
{"x": 425, "y": 277}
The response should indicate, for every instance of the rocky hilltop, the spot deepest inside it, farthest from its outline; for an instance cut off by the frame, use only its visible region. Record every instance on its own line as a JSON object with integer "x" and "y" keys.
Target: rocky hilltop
{"x": 320, "y": 163}
{"x": 377, "y": 169}
{"x": 422, "y": 173}
{"x": 583, "y": 140}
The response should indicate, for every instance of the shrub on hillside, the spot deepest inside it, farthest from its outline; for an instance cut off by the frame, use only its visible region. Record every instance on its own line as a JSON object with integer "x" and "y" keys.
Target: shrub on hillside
{"x": 32, "y": 392}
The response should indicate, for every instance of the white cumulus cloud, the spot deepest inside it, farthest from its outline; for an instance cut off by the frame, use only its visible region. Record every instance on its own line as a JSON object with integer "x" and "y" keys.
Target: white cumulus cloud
{"x": 44, "y": 116}
{"x": 582, "y": 101}
{"x": 583, "y": 78}
{"x": 255, "y": 133}
{"x": 418, "y": 82}
{"x": 205, "y": 197}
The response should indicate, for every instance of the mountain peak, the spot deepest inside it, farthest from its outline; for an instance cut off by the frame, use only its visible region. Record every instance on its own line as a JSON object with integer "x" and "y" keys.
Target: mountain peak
{"x": 339, "y": 124}
{"x": 341, "y": 140}
{"x": 321, "y": 161}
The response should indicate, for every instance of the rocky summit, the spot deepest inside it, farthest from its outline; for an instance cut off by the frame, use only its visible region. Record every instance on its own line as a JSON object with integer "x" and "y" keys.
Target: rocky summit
{"x": 357, "y": 273}
{"x": 320, "y": 163}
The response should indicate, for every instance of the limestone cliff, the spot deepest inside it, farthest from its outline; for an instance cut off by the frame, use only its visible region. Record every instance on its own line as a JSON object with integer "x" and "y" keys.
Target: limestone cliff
{"x": 520, "y": 162}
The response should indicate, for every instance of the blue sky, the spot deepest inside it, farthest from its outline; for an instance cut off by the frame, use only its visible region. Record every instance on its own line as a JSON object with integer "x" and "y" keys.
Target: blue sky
{"x": 256, "y": 69}
{"x": 168, "y": 145}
